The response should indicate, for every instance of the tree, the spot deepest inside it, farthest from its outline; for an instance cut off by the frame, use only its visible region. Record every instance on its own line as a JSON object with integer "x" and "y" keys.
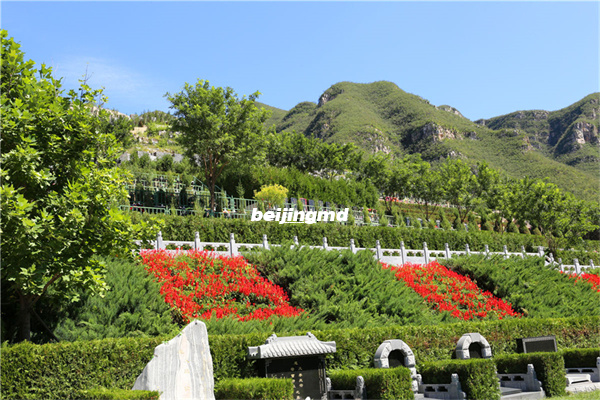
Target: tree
{"x": 218, "y": 129}
{"x": 272, "y": 195}
{"x": 60, "y": 187}
{"x": 460, "y": 187}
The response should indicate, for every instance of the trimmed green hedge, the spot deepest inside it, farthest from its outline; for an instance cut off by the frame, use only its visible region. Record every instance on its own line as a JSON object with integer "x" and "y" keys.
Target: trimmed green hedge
{"x": 218, "y": 230}
{"x": 255, "y": 389}
{"x": 381, "y": 383}
{"x": 577, "y": 358}
{"x": 60, "y": 371}
{"x": 118, "y": 394}
{"x": 477, "y": 376}
{"x": 549, "y": 368}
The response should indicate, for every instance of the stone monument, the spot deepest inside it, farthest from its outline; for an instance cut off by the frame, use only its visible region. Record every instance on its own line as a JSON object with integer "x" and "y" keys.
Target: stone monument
{"x": 182, "y": 367}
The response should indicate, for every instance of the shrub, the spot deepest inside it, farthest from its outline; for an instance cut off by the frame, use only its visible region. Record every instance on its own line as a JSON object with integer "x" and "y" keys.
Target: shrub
{"x": 549, "y": 368}
{"x": 118, "y": 394}
{"x": 343, "y": 288}
{"x": 477, "y": 376}
{"x": 531, "y": 287}
{"x": 60, "y": 371}
{"x": 577, "y": 358}
{"x": 255, "y": 388}
{"x": 380, "y": 383}
{"x": 132, "y": 306}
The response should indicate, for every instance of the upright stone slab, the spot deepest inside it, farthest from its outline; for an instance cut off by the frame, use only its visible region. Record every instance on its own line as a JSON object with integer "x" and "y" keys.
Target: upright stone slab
{"x": 181, "y": 368}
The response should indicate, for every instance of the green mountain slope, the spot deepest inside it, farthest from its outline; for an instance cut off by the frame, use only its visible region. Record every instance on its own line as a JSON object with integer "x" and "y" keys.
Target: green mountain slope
{"x": 380, "y": 117}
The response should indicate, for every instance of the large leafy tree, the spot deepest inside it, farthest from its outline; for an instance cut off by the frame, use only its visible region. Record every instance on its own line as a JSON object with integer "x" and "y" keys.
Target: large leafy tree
{"x": 59, "y": 187}
{"x": 217, "y": 128}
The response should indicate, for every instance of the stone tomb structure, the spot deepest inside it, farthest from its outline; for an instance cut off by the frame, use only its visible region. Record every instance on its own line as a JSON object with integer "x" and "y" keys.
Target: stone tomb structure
{"x": 472, "y": 345}
{"x": 299, "y": 358}
{"x": 395, "y": 353}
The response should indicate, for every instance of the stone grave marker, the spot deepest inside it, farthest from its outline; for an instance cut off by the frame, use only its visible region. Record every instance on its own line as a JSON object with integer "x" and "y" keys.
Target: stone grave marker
{"x": 537, "y": 343}
{"x": 182, "y": 367}
{"x": 472, "y": 345}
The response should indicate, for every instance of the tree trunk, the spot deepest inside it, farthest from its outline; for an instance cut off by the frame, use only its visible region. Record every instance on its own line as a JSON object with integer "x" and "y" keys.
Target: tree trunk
{"x": 24, "y": 318}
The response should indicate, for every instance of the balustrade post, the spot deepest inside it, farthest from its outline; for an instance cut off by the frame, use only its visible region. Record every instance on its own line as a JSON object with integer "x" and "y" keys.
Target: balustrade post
{"x": 325, "y": 246}
{"x": 402, "y": 252}
{"x": 378, "y": 250}
{"x": 592, "y": 263}
{"x": 425, "y": 253}
{"x": 505, "y": 252}
{"x": 265, "y": 243}
{"x": 296, "y": 243}
{"x": 232, "y": 247}
{"x": 487, "y": 251}
{"x": 541, "y": 251}
{"x": 159, "y": 241}
{"x": 523, "y": 253}
{"x": 560, "y": 265}
{"x": 577, "y": 266}
{"x": 352, "y": 246}
{"x": 447, "y": 250}
{"x": 197, "y": 244}
{"x": 468, "y": 249}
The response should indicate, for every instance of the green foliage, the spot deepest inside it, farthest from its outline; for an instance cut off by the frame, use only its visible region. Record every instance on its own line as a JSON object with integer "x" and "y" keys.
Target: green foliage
{"x": 477, "y": 376}
{"x": 380, "y": 383}
{"x": 60, "y": 188}
{"x": 549, "y": 368}
{"x": 577, "y": 358}
{"x": 342, "y": 288}
{"x": 531, "y": 287}
{"x": 272, "y": 195}
{"x": 217, "y": 230}
{"x": 118, "y": 394}
{"x": 61, "y": 370}
{"x": 132, "y": 306}
{"x": 255, "y": 388}
{"x": 218, "y": 129}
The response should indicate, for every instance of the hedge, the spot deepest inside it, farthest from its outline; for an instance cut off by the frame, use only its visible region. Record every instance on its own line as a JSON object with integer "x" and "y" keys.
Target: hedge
{"x": 255, "y": 389}
{"x": 61, "y": 370}
{"x": 118, "y": 394}
{"x": 549, "y": 368}
{"x": 477, "y": 377}
{"x": 245, "y": 231}
{"x": 380, "y": 383}
{"x": 577, "y": 358}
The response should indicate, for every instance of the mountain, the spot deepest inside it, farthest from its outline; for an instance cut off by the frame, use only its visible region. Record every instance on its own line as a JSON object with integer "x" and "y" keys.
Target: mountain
{"x": 380, "y": 117}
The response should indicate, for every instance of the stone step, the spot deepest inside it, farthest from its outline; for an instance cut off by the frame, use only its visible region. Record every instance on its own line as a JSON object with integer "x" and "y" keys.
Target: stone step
{"x": 524, "y": 396}
{"x": 578, "y": 378}
{"x": 505, "y": 391}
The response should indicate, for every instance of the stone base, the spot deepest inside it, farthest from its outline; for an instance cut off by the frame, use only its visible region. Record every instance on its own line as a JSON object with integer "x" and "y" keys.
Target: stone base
{"x": 584, "y": 387}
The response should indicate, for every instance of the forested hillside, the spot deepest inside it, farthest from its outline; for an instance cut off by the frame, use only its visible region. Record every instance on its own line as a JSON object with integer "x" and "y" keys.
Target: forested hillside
{"x": 380, "y": 117}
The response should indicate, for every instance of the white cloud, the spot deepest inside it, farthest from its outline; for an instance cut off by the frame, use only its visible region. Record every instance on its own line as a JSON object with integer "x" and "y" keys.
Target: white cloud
{"x": 127, "y": 89}
{"x": 101, "y": 73}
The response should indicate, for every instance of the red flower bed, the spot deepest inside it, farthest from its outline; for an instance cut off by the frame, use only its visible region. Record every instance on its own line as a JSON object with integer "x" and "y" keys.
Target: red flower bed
{"x": 199, "y": 284}
{"x": 594, "y": 280}
{"x": 448, "y": 291}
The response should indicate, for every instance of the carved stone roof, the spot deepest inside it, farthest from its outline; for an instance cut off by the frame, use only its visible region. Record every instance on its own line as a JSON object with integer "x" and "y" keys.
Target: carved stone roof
{"x": 291, "y": 346}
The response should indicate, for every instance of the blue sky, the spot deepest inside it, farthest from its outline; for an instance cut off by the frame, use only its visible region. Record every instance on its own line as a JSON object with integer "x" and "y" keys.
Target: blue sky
{"x": 484, "y": 58}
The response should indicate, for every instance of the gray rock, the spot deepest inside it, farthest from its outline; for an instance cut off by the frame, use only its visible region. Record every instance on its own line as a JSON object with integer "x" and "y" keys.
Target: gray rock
{"x": 182, "y": 367}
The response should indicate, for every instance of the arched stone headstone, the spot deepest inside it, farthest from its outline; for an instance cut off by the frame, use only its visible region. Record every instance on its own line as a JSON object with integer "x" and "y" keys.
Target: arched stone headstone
{"x": 394, "y": 353}
{"x": 472, "y": 345}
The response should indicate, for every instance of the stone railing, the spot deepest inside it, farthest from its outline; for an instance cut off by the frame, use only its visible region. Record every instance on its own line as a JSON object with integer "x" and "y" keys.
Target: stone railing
{"x": 389, "y": 256}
